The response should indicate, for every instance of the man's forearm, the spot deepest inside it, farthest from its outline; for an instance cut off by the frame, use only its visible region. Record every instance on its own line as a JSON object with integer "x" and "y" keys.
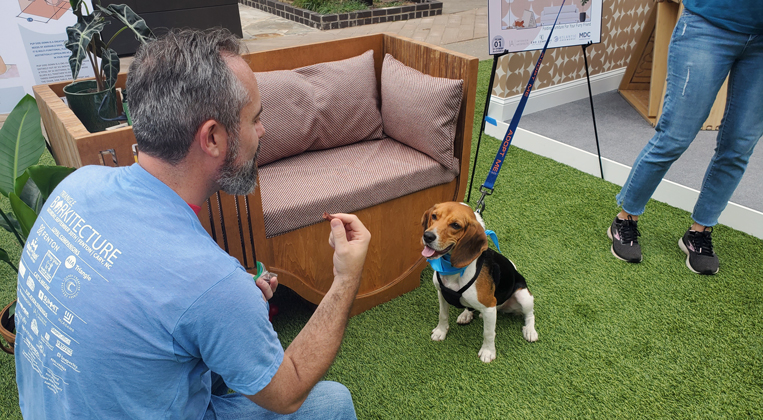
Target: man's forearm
{"x": 309, "y": 356}
{"x": 316, "y": 346}
{"x": 311, "y": 353}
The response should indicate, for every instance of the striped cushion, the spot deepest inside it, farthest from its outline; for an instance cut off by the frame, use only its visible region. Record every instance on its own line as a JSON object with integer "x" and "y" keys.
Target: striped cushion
{"x": 318, "y": 107}
{"x": 420, "y": 110}
{"x": 297, "y": 190}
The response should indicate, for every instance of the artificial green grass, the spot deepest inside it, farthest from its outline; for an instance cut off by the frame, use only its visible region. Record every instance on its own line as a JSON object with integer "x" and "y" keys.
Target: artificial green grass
{"x": 617, "y": 340}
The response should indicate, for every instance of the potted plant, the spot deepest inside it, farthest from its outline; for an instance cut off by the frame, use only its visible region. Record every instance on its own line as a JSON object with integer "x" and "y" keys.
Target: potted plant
{"x": 95, "y": 101}
{"x": 25, "y": 185}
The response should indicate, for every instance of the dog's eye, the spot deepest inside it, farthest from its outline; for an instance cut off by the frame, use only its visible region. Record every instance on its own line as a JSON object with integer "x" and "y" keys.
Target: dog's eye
{"x": 434, "y": 216}
{"x": 455, "y": 226}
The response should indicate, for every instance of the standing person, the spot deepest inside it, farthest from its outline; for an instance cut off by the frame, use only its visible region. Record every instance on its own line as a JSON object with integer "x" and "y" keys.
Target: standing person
{"x": 712, "y": 39}
{"x": 128, "y": 309}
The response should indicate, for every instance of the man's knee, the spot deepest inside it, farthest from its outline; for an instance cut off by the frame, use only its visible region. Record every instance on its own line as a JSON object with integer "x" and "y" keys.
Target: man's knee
{"x": 336, "y": 398}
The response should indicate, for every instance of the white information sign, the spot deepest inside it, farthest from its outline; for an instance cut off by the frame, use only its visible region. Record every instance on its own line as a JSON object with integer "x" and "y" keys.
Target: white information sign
{"x": 32, "y": 52}
{"x": 525, "y": 25}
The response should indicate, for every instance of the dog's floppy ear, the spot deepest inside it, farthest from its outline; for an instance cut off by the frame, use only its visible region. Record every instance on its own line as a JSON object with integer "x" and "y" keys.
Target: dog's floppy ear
{"x": 425, "y": 217}
{"x": 471, "y": 245}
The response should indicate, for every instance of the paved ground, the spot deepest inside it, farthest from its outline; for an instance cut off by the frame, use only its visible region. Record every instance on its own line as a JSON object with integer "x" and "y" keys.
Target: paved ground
{"x": 462, "y": 27}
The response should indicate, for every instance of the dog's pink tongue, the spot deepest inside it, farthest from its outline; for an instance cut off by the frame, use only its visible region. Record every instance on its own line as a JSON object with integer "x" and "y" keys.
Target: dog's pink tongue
{"x": 427, "y": 252}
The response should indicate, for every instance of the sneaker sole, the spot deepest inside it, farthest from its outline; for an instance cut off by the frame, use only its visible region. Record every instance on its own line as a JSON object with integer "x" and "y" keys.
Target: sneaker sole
{"x": 686, "y": 251}
{"x": 612, "y": 248}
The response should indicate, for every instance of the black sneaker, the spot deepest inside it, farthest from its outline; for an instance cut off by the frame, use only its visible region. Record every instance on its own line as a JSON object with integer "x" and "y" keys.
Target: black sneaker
{"x": 698, "y": 247}
{"x": 624, "y": 235}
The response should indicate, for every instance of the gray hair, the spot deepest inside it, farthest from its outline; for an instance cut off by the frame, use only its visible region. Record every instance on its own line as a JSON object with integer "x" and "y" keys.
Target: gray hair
{"x": 178, "y": 82}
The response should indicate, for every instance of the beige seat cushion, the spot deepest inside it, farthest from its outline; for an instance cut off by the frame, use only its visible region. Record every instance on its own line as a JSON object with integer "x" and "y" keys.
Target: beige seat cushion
{"x": 420, "y": 111}
{"x": 318, "y": 107}
{"x": 297, "y": 190}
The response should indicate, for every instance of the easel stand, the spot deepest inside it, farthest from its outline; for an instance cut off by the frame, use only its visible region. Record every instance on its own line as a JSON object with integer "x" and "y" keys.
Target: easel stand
{"x": 487, "y": 188}
{"x": 593, "y": 114}
{"x": 488, "y": 94}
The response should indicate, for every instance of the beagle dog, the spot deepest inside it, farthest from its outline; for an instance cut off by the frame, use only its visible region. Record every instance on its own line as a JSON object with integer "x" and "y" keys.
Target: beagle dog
{"x": 470, "y": 275}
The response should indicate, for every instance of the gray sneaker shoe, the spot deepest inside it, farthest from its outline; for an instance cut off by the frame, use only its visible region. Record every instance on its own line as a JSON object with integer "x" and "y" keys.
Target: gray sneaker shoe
{"x": 698, "y": 247}
{"x": 624, "y": 235}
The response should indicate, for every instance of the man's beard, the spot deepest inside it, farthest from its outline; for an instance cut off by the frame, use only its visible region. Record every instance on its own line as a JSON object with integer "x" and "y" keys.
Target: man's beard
{"x": 238, "y": 179}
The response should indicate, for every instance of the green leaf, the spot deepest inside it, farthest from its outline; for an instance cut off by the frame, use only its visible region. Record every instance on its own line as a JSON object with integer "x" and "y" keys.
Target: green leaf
{"x": 25, "y": 215}
{"x": 131, "y": 20}
{"x": 76, "y": 7}
{"x": 109, "y": 67}
{"x": 46, "y": 178}
{"x": 4, "y": 257}
{"x": 28, "y": 192}
{"x": 97, "y": 46}
{"x": 11, "y": 312}
{"x": 79, "y": 37}
{"x": 13, "y": 220}
{"x": 21, "y": 142}
{"x": 18, "y": 186}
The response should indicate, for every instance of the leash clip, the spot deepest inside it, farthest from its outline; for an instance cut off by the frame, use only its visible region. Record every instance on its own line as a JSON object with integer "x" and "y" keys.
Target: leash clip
{"x": 480, "y": 207}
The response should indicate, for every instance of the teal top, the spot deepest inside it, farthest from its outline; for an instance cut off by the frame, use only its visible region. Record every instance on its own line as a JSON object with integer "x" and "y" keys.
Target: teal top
{"x": 745, "y": 16}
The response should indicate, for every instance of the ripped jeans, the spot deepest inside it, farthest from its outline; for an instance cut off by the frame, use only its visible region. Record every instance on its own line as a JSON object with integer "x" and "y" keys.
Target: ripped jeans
{"x": 699, "y": 58}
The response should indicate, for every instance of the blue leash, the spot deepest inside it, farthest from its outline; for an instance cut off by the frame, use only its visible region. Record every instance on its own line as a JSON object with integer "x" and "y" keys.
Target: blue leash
{"x": 487, "y": 187}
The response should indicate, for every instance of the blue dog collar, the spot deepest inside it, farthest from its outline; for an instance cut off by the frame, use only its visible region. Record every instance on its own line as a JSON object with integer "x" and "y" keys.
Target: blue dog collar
{"x": 442, "y": 265}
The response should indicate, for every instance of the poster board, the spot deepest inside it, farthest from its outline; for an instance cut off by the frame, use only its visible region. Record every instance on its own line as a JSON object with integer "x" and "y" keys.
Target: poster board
{"x": 524, "y": 25}
{"x": 32, "y": 52}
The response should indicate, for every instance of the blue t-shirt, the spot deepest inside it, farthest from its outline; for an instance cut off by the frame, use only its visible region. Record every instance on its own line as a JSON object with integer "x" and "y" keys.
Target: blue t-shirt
{"x": 125, "y": 305}
{"x": 745, "y": 16}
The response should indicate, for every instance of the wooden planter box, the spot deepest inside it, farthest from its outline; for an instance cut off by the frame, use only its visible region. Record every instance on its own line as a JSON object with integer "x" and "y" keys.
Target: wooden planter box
{"x": 302, "y": 258}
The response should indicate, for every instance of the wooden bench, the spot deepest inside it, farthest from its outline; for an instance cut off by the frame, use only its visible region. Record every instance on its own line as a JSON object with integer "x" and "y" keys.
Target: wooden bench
{"x": 302, "y": 258}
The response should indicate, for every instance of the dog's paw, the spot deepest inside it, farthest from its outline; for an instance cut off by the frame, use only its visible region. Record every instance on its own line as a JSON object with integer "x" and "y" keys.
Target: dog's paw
{"x": 439, "y": 333}
{"x": 486, "y": 354}
{"x": 466, "y": 317}
{"x": 530, "y": 334}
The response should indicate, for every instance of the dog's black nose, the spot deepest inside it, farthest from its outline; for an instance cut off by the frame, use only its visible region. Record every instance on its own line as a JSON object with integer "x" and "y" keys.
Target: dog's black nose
{"x": 429, "y": 237}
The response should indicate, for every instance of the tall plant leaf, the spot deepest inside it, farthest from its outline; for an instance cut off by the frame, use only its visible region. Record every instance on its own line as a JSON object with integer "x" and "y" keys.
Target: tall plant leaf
{"x": 25, "y": 215}
{"x": 131, "y": 20}
{"x": 20, "y": 183}
{"x": 79, "y": 37}
{"x": 4, "y": 257}
{"x": 46, "y": 178}
{"x": 21, "y": 142}
{"x": 76, "y": 7}
{"x": 14, "y": 222}
{"x": 110, "y": 67}
{"x": 28, "y": 192}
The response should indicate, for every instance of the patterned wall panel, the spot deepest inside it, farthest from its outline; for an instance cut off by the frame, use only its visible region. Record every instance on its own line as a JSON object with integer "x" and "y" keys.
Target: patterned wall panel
{"x": 622, "y": 23}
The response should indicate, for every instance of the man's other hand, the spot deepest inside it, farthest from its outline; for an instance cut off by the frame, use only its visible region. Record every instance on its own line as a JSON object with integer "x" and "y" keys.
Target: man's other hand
{"x": 267, "y": 285}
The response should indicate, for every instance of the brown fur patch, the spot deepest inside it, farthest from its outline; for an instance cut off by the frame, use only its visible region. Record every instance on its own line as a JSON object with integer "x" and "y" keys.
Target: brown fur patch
{"x": 485, "y": 288}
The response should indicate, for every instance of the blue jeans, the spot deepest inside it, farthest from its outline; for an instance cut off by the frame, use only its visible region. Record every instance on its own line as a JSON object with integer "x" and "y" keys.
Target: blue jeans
{"x": 700, "y": 57}
{"x": 328, "y": 400}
